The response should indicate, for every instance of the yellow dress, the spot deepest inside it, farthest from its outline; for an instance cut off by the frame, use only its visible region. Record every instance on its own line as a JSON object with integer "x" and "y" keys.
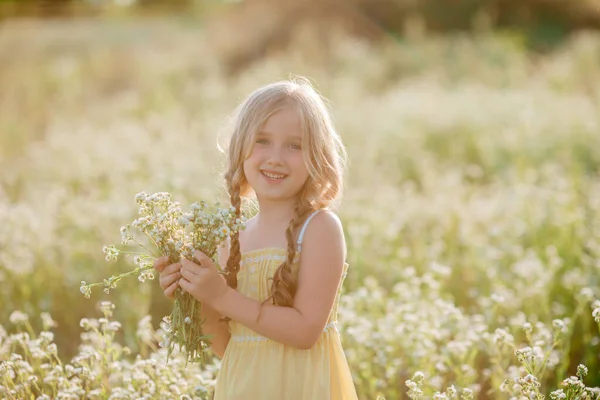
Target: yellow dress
{"x": 257, "y": 368}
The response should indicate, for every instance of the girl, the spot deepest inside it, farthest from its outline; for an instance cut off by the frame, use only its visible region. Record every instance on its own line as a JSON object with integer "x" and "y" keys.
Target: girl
{"x": 284, "y": 273}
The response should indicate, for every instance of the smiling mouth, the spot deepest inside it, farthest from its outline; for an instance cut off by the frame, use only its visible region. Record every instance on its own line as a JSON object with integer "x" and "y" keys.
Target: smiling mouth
{"x": 271, "y": 175}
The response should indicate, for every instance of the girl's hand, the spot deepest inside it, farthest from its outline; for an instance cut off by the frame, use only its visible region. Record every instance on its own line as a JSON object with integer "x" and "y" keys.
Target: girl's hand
{"x": 202, "y": 280}
{"x": 169, "y": 275}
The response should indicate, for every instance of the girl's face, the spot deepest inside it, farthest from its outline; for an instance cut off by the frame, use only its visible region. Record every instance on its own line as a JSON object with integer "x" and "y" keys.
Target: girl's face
{"x": 275, "y": 169}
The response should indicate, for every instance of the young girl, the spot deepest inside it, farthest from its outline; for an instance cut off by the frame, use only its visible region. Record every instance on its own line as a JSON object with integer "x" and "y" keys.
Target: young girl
{"x": 273, "y": 315}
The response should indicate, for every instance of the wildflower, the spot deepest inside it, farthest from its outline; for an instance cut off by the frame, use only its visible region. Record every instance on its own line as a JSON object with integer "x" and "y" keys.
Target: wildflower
{"x": 47, "y": 336}
{"x": 47, "y": 321}
{"x": 596, "y": 314}
{"x": 525, "y": 355}
{"x": 466, "y": 394}
{"x": 126, "y": 236}
{"x": 111, "y": 252}
{"x": 558, "y": 325}
{"x": 558, "y": 394}
{"x": 418, "y": 376}
{"x": 145, "y": 330}
{"x": 451, "y": 391}
{"x": 52, "y": 349}
{"x": 18, "y": 317}
{"x": 496, "y": 298}
{"x": 146, "y": 274}
{"x": 587, "y": 294}
{"x": 95, "y": 392}
{"x": 573, "y": 383}
{"x": 106, "y": 308}
{"x": 581, "y": 371}
{"x": 141, "y": 197}
{"x": 224, "y": 231}
{"x": 112, "y": 326}
{"x": 85, "y": 323}
{"x": 502, "y": 336}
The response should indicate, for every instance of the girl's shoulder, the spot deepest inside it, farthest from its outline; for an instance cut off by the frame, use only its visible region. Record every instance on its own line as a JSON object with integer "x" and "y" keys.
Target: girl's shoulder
{"x": 322, "y": 228}
{"x": 324, "y": 218}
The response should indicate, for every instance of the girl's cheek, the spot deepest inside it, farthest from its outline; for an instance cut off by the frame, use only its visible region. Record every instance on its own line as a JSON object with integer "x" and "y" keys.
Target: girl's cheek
{"x": 257, "y": 152}
{"x": 298, "y": 158}
{"x": 252, "y": 157}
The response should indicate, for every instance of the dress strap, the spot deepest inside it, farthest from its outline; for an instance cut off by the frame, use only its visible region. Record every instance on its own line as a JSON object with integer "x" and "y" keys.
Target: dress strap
{"x": 301, "y": 236}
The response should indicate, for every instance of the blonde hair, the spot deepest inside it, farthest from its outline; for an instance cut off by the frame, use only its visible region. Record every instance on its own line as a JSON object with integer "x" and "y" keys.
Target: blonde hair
{"x": 323, "y": 153}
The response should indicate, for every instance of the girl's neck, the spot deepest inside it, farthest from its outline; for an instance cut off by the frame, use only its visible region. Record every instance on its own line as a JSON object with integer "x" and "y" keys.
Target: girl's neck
{"x": 273, "y": 214}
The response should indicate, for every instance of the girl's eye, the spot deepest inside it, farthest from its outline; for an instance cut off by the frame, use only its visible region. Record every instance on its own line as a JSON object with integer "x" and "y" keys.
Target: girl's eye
{"x": 262, "y": 141}
{"x": 295, "y": 146}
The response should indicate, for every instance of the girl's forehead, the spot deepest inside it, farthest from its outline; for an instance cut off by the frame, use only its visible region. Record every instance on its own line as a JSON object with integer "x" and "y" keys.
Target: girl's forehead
{"x": 284, "y": 118}
{"x": 284, "y": 122}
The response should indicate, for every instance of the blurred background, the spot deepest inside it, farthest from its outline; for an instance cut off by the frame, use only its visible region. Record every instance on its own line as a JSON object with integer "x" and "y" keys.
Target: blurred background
{"x": 473, "y": 129}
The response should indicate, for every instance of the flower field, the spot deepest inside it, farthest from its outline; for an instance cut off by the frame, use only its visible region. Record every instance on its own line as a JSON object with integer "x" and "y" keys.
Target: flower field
{"x": 471, "y": 212}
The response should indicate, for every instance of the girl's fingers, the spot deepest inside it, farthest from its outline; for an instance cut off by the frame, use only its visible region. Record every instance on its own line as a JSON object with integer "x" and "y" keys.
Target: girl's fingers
{"x": 170, "y": 291}
{"x": 190, "y": 265}
{"x": 172, "y": 268}
{"x": 167, "y": 280}
{"x": 160, "y": 263}
{"x": 184, "y": 284}
{"x": 187, "y": 274}
{"x": 203, "y": 259}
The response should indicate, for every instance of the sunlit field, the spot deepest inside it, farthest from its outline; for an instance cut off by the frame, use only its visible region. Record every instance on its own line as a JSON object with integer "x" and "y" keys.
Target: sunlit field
{"x": 471, "y": 211}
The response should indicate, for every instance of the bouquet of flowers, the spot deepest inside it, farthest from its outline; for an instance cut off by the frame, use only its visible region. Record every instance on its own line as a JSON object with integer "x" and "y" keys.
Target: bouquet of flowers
{"x": 170, "y": 231}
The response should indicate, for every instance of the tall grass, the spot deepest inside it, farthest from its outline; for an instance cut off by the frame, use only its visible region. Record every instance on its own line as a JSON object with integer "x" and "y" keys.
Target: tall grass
{"x": 471, "y": 210}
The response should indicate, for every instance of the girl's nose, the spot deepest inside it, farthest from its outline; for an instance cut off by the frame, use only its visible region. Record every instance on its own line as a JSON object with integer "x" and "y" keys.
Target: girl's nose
{"x": 276, "y": 155}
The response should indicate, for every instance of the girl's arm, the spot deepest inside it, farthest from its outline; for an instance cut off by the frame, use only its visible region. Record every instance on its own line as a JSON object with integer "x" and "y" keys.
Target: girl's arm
{"x": 321, "y": 267}
{"x": 217, "y": 329}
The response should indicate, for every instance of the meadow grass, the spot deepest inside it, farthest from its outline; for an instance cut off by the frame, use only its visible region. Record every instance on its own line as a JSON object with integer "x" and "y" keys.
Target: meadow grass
{"x": 471, "y": 209}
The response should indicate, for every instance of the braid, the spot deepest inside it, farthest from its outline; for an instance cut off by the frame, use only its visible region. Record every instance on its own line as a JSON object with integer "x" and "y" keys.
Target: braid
{"x": 235, "y": 255}
{"x": 283, "y": 288}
